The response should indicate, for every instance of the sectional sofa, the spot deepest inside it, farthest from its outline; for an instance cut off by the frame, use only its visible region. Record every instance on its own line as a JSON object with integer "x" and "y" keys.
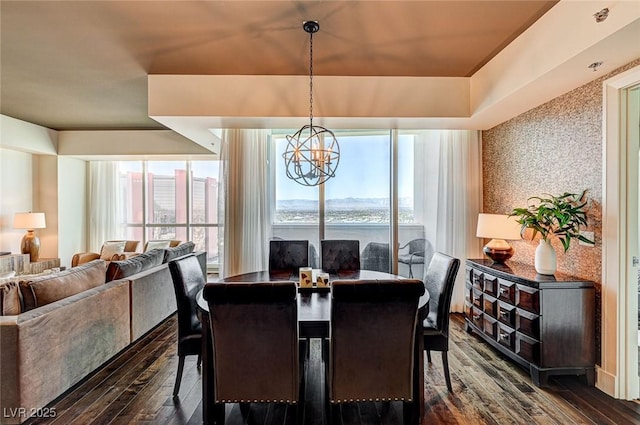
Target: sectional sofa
{"x": 57, "y": 329}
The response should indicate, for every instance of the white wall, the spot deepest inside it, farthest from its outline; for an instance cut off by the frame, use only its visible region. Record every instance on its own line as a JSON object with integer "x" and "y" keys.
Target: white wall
{"x": 50, "y": 184}
{"x": 72, "y": 208}
{"x": 45, "y": 199}
{"x": 16, "y": 195}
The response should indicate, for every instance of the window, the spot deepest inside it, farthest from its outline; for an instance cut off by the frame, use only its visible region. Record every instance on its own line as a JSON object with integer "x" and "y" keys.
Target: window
{"x": 357, "y": 202}
{"x": 174, "y": 200}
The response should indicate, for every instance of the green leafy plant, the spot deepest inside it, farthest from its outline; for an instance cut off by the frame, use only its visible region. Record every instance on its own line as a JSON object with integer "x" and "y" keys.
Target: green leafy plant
{"x": 559, "y": 216}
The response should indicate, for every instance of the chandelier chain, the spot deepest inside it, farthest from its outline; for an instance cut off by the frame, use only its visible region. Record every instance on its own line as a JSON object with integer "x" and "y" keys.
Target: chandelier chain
{"x": 312, "y": 153}
{"x": 311, "y": 79}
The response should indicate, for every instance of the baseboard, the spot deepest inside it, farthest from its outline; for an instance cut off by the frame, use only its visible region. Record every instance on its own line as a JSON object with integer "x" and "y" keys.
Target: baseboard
{"x": 606, "y": 382}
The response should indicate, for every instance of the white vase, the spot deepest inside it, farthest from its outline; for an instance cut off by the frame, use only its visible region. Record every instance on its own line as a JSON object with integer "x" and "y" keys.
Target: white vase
{"x": 545, "y": 259}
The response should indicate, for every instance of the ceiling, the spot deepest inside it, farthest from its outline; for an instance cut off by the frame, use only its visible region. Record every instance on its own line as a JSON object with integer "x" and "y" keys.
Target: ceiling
{"x": 83, "y": 65}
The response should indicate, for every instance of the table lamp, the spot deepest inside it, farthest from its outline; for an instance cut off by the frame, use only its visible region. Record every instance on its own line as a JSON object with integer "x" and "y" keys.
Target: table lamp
{"x": 499, "y": 228}
{"x": 30, "y": 242}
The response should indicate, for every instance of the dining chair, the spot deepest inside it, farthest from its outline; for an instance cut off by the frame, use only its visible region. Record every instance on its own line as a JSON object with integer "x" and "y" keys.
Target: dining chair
{"x": 188, "y": 279}
{"x": 340, "y": 254}
{"x": 439, "y": 280}
{"x": 288, "y": 255}
{"x": 257, "y": 355}
{"x": 371, "y": 349}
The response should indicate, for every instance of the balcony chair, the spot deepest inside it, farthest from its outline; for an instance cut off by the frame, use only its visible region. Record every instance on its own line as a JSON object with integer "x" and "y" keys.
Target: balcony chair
{"x": 256, "y": 352}
{"x": 187, "y": 281}
{"x": 439, "y": 280}
{"x": 288, "y": 255}
{"x": 419, "y": 252}
{"x": 110, "y": 251}
{"x": 371, "y": 349}
{"x": 340, "y": 255}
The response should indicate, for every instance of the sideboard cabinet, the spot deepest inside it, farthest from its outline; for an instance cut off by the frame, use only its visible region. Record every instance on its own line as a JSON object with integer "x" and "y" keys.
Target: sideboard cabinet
{"x": 544, "y": 323}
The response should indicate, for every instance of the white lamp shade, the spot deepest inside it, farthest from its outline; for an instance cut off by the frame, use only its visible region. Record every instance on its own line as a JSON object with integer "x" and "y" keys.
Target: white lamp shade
{"x": 498, "y": 226}
{"x": 29, "y": 221}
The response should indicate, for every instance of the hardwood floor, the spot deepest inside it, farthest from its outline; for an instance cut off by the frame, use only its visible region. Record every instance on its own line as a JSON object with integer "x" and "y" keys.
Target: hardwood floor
{"x": 136, "y": 387}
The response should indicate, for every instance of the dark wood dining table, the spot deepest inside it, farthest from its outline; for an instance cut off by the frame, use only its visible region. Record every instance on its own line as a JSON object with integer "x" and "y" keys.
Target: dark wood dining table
{"x": 314, "y": 314}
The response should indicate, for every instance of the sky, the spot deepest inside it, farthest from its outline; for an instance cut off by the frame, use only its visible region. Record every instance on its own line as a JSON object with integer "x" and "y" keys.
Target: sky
{"x": 363, "y": 171}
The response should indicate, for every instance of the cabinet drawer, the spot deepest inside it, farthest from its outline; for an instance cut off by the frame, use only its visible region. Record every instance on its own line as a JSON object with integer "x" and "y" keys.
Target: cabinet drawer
{"x": 506, "y": 291}
{"x": 506, "y": 336}
{"x": 490, "y": 326}
{"x": 527, "y": 348}
{"x": 477, "y": 279}
{"x": 468, "y": 310}
{"x": 476, "y": 317}
{"x": 467, "y": 292}
{"x": 527, "y": 323}
{"x": 476, "y": 298}
{"x": 490, "y": 285}
{"x": 468, "y": 277}
{"x": 490, "y": 305}
{"x": 506, "y": 314}
{"x": 528, "y": 298}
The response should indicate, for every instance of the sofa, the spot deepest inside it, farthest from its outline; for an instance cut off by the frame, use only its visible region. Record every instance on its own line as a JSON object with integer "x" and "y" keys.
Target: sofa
{"x": 58, "y": 328}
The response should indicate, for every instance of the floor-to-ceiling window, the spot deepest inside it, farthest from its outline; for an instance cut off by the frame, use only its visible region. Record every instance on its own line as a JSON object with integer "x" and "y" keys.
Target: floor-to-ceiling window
{"x": 175, "y": 200}
{"x": 355, "y": 204}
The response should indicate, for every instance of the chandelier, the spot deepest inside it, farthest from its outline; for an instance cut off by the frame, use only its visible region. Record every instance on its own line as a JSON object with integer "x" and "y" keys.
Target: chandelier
{"x": 312, "y": 153}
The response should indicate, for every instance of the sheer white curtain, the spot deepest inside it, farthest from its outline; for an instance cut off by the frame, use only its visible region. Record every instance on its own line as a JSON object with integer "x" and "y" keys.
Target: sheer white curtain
{"x": 106, "y": 220}
{"x": 244, "y": 210}
{"x": 451, "y": 198}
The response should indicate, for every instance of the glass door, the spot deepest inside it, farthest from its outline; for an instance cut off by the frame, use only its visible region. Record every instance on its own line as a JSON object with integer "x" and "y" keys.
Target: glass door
{"x": 357, "y": 201}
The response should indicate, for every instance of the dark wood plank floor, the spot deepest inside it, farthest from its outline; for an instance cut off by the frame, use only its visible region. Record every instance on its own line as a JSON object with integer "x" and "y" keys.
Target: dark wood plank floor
{"x": 136, "y": 388}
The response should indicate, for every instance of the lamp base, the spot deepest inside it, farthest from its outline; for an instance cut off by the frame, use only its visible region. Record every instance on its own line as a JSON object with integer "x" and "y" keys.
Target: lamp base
{"x": 31, "y": 245}
{"x": 498, "y": 250}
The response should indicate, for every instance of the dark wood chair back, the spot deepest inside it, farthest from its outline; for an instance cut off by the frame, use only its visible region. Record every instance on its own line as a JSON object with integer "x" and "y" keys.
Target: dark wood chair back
{"x": 371, "y": 348}
{"x": 188, "y": 280}
{"x": 254, "y": 329}
{"x": 288, "y": 255}
{"x": 340, "y": 254}
{"x": 439, "y": 280}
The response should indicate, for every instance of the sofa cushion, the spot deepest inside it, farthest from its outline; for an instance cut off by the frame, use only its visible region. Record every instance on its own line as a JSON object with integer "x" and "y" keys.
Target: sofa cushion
{"x": 133, "y": 265}
{"x": 10, "y": 302}
{"x": 178, "y": 251}
{"x": 56, "y": 286}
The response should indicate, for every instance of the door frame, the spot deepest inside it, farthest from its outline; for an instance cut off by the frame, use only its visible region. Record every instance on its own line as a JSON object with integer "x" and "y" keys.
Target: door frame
{"x": 617, "y": 374}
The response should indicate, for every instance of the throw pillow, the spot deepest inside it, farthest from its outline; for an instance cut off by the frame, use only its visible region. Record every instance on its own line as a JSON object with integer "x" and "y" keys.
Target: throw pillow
{"x": 109, "y": 249}
{"x": 10, "y": 304}
{"x": 157, "y": 244}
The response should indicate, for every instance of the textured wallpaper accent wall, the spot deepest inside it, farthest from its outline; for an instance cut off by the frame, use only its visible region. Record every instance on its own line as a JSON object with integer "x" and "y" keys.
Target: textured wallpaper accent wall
{"x": 554, "y": 148}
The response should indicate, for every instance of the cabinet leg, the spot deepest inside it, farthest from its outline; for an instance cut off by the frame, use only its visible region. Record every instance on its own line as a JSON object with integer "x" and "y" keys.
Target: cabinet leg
{"x": 590, "y": 375}
{"x": 467, "y": 327}
{"x": 538, "y": 377}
